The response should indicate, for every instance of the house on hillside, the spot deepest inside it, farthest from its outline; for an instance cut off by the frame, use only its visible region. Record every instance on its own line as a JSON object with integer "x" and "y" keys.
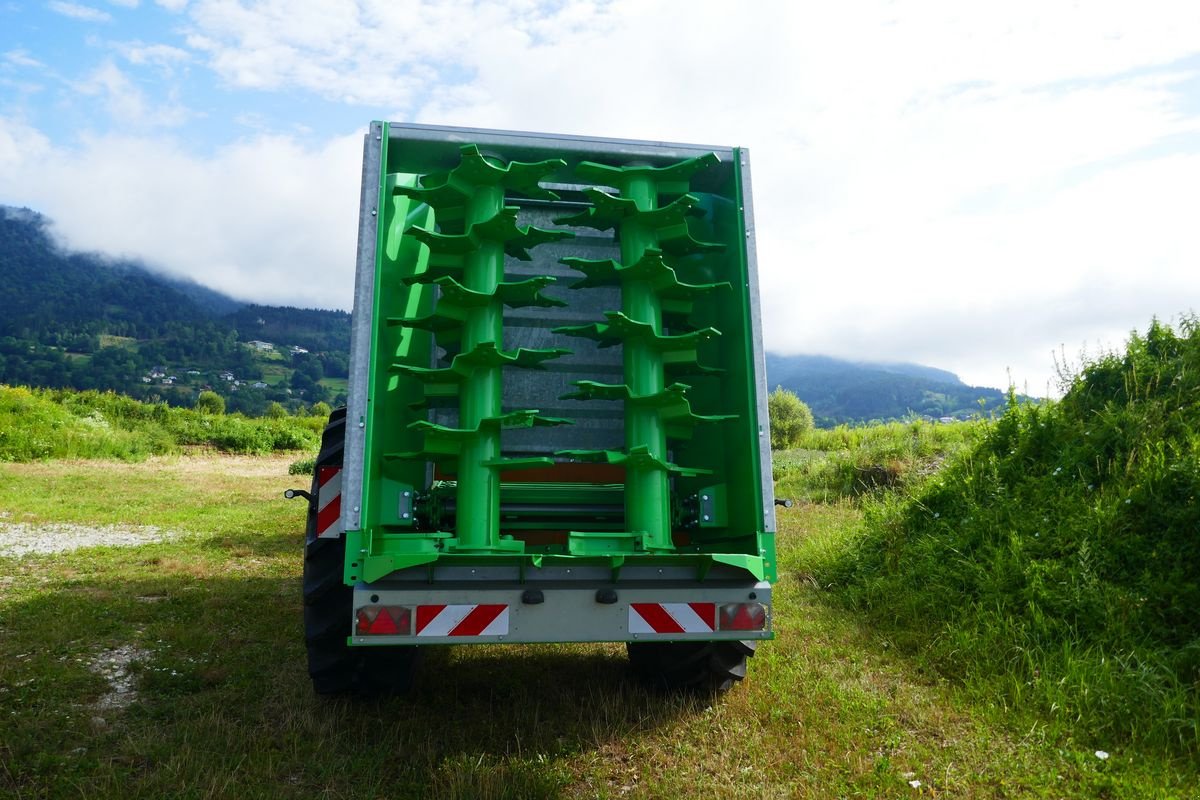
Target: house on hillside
{"x": 261, "y": 346}
{"x": 226, "y": 376}
{"x": 298, "y": 351}
{"x": 259, "y": 385}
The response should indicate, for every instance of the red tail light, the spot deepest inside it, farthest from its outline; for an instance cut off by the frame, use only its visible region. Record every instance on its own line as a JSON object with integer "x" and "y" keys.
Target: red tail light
{"x": 743, "y": 617}
{"x": 383, "y": 621}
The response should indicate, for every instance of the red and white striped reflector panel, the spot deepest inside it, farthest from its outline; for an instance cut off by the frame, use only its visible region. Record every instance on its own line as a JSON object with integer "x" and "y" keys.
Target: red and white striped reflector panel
{"x": 329, "y": 502}
{"x": 462, "y": 620}
{"x": 743, "y": 617}
{"x": 672, "y": 617}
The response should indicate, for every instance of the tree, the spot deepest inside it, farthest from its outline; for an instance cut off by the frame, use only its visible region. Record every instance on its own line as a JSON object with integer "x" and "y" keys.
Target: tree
{"x": 276, "y": 411}
{"x": 321, "y": 410}
{"x": 210, "y": 403}
{"x": 790, "y": 417}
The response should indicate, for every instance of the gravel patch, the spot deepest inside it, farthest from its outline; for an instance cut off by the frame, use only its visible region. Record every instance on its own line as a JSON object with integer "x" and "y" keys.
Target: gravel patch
{"x": 21, "y": 539}
{"x": 113, "y": 666}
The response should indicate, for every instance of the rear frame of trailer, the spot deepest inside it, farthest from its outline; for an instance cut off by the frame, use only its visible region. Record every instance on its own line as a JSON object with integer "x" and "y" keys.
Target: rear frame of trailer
{"x": 556, "y": 428}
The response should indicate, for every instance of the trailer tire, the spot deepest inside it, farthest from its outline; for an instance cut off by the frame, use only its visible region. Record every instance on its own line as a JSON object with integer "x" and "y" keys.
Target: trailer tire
{"x": 334, "y": 666}
{"x": 701, "y": 667}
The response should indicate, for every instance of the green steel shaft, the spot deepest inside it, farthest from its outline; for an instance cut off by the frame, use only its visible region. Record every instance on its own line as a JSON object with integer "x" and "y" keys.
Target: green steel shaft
{"x": 479, "y": 485}
{"x": 647, "y": 497}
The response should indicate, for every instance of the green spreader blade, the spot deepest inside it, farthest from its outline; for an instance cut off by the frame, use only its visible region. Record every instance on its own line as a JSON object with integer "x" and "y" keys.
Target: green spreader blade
{"x": 448, "y": 192}
{"x": 669, "y": 222}
{"x": 447, "y": 251}
{"x": 445, "y": 381}
{"x": 674, "y": 409}
{"x": 456, "y": 300}
{"x": 443, "y": 442}
{"x": 620, "y": 328}
{"x": 652, "y": 269}
{"x": 639, "y": 457}
{"x": 671, "y": 178}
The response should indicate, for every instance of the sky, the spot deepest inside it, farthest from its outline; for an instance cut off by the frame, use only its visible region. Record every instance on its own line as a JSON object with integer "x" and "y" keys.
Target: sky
{"x": 989, "y": 188}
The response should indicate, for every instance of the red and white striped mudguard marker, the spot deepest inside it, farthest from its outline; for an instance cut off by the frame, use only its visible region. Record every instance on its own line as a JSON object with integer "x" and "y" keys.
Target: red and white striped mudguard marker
{"x": 329, "y": 502}
{"x": 463, "y": 620}
{"x": 672, "y": 617}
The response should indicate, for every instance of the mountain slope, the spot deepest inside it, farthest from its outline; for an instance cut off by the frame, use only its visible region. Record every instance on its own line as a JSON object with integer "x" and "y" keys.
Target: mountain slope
{"x": 845, "y": 391}
{"x": 43, "y": 289}
{"x": 72, "y": 320}
{"x": 59, "y": 312}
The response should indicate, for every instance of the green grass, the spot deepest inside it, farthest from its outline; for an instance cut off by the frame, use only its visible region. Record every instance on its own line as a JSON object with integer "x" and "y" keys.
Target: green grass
{"x": 834, "y": 463}
{"x": 335, "y": 385}
{"x": 41, "y": 424}
{"x": 108, "y": 340}
{"x": 1055, "y": 565}
{"x": 224, "y": 709}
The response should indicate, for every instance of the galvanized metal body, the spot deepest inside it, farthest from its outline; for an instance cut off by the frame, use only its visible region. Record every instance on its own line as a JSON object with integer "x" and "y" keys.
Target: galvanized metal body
{"x": 557, "y": 377}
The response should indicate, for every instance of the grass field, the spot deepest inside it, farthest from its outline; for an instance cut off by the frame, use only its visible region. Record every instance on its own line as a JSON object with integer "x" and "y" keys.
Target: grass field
{"x": 176, "y": 669}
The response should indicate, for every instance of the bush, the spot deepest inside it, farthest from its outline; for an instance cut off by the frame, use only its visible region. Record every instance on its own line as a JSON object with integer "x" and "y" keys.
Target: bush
{"x": 1058, "y": 560}
{"x": 790, "y": 418}
{"x": 208, "y": 402}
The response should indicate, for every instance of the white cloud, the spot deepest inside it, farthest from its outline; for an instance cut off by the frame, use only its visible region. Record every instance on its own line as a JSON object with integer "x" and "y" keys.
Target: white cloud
{"x": 172, "y": 5}
{"x": 77, "y": 11}
{"x": 163, "y": 56}
{"x": 965, "y": 185}
{"x": 264, "y": 219}
{"x": 21, "y": 58}
{"x": 124, "y": 3}
{"x": 126, "y": 103}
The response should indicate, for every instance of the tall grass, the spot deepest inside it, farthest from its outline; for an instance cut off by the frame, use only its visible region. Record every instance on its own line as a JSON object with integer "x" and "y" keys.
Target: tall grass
{"x": 42, "y": 424}
{"x": 849, "y": 462}
{"x": 1057, "y": 562}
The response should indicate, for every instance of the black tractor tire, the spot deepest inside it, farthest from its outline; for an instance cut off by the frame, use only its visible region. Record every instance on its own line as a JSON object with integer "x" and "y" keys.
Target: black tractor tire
{"x": 334, "y": 666}
{"x": 698, "y": 667}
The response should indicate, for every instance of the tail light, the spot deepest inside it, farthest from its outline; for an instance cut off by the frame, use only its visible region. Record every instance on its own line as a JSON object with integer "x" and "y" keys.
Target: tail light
{"x": 383, "y": 621}
{"x": 743, "y": 617}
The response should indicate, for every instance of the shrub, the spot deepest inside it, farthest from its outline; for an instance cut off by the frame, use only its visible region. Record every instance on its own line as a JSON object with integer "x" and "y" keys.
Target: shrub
{"x": 1058, "y": 559}
{"x": 208, "y": 402}
{"x": 790, "y": 418}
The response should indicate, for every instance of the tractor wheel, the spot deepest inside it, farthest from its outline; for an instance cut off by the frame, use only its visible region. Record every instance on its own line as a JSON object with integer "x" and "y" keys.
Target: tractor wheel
{"x": 334, "y": 666}
{"x": 703, "y": 667}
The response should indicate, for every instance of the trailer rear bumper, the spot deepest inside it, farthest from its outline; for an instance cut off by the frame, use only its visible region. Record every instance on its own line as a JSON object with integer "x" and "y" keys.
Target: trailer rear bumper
{"x": 569, "y": 611}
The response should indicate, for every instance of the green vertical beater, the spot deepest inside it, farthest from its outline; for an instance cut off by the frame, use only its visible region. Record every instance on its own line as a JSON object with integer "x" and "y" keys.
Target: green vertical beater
{"x": 645, "y": 231}
{"x": 470, "y": 198}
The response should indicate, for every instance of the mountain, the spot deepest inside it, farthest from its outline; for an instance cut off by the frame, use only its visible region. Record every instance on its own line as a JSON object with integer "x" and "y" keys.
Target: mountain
{"x": 848, "y": 391}
{"x": 88, "y": 322}
{"x": 45, "y": 289}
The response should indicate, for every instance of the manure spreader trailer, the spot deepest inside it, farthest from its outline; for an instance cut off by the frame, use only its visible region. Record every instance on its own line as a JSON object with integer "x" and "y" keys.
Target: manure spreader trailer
{"x": 556, "y": 426}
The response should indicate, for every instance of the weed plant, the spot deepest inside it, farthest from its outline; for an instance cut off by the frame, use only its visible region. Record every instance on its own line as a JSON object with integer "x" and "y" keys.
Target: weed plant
{"x": 41, "y": 424}
{"x": 1058, "y": 560}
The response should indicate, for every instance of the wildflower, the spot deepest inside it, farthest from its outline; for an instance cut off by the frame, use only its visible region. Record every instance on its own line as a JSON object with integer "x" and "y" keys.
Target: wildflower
{"x": 1102, "y": 755}
{"x": 915, "y": 784}
{"x": 1128, "y": 501}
